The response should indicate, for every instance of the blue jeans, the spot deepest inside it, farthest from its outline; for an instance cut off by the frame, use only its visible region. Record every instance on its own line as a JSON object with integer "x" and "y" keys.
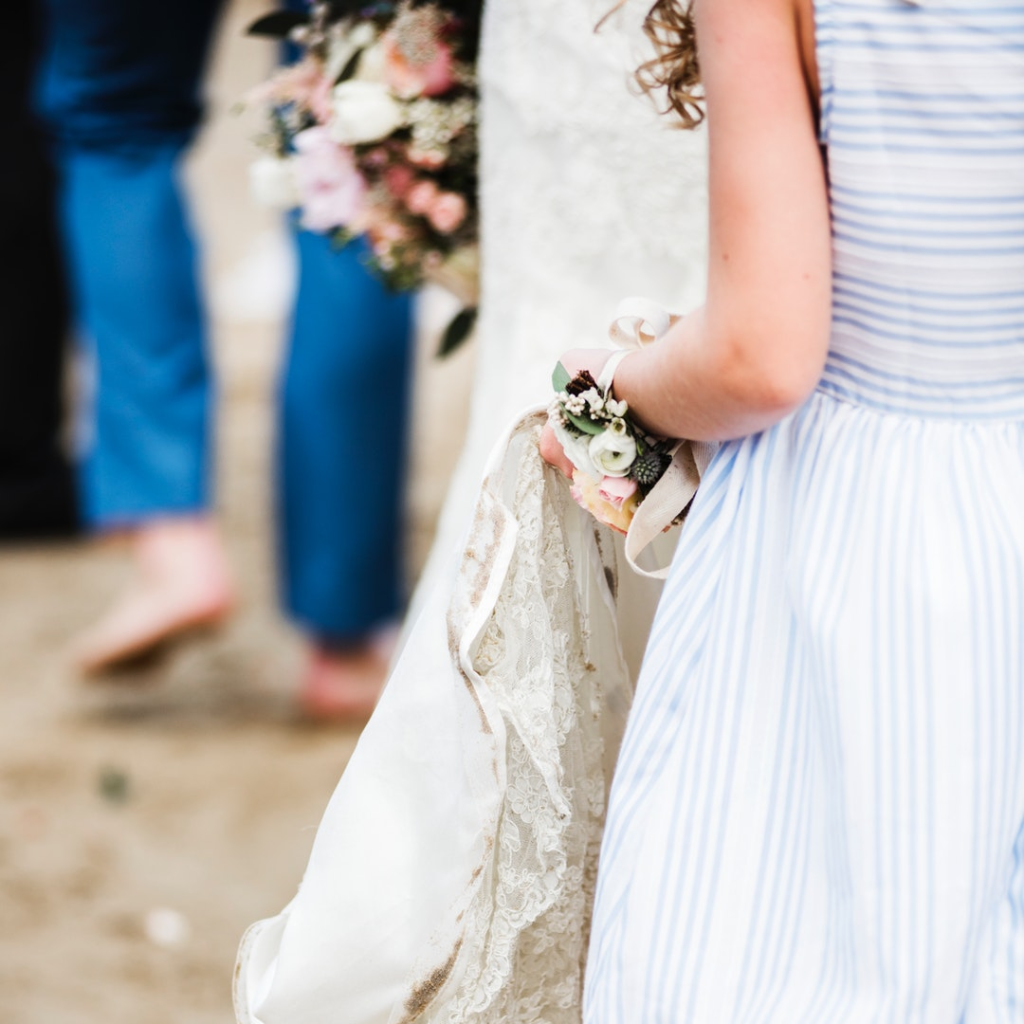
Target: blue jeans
{"x": 342, "y": 442}
{"x": 120, "y": 94}
{"x": 119, "y": 91}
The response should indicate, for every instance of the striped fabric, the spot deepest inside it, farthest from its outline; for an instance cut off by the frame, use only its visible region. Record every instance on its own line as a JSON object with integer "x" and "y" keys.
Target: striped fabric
{"x": 922, "y": 115}
{"x": 818, "y": 813}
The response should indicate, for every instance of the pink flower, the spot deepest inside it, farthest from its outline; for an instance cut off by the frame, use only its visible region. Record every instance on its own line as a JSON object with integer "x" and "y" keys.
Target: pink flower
{"x": 384, "y": 228}
{"x": 428, "y": 159}
{"x": 321, "y": 100}
{"x": 390, "y": 231}
{"x": 589, "y": 494}
{"x": 420, "y": 197}
{"x": 616, "y": 489}
{"x": 376, "y": 158}
{"x": 332, "y": 189}
{"x": 398, "y": 179}
{"x": 447, "y": 212}
{"x": 430, "y": 72}
{"x": 303, "y": 83}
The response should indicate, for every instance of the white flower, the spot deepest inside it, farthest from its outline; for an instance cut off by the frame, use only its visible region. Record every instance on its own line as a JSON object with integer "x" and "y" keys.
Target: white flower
{"x": 612, "y": 453}
{"x": 272, "y": 182}
{"x": 363, "y": 112}
{"x": 371, "y": 64}
{"x": 617, "y": 425}
{"x": 616, "y": 408}
{"x": 362, "y": 35}
{"x": 343, "y": 43}
{"x": 577, "y": 449}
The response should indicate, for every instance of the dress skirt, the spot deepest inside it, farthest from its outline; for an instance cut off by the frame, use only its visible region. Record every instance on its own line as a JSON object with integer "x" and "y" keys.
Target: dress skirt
{"x": 817, "y": 814}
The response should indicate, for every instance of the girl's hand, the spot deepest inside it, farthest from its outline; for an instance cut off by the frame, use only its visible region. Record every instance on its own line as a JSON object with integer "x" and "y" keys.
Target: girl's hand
{"x": 552, "y": 452}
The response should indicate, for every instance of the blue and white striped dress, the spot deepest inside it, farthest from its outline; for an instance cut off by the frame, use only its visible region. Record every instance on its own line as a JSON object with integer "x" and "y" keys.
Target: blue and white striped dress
{"x": 818, "y": 814}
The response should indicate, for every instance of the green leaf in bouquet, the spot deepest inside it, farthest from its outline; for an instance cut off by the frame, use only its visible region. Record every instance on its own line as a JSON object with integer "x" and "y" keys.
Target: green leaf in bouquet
{"x": 277, "y": 25}
{"x": 560, "y": 378}
{"x": 457, "y": 331}
{"x": 583, "y": 424}
{"x": 340, "y": 237}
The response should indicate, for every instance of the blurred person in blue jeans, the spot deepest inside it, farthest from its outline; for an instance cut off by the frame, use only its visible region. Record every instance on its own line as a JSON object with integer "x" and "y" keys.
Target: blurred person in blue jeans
{"x": 120, "y": 92}
{"x": 343, "y": 421}
{"x": 37, "y": 493}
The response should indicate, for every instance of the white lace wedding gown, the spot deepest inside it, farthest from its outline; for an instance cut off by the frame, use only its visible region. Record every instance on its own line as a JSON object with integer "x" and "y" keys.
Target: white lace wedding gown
{"x": 452, "y": 875}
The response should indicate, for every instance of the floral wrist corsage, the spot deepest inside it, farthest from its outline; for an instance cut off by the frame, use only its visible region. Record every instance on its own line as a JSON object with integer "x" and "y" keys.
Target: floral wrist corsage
{"x": 615, "y": 463}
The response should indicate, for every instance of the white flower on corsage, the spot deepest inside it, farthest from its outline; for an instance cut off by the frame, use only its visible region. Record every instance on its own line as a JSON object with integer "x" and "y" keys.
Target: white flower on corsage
{"x": 364, "y": 112}
{"x": 612, "y": 453}
{"x": 577, "y": 448}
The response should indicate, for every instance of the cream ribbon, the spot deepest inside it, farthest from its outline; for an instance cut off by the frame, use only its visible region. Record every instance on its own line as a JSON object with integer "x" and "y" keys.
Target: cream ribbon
{"x": 639, "y": 322}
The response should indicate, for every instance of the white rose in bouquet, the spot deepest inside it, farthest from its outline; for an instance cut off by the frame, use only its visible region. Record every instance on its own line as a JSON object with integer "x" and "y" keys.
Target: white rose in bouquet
{"x": 363, "y": 112}
{"x": 612, "y": 453}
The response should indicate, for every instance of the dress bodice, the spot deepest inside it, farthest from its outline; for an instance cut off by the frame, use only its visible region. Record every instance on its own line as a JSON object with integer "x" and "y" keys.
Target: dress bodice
{"x": 923, "y": 120}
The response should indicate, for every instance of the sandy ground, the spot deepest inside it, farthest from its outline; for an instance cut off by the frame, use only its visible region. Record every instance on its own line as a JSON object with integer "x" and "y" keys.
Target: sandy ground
{"x": 145, "y": 823}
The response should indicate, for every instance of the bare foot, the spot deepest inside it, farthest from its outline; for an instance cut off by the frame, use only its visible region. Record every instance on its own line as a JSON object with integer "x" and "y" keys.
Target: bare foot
{"x": 181, "y": 583}
{"x": 344, "y": 684}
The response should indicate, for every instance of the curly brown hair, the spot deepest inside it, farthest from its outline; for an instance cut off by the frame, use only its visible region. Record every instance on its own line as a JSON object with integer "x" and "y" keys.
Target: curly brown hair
{"x": 675, "y": 69}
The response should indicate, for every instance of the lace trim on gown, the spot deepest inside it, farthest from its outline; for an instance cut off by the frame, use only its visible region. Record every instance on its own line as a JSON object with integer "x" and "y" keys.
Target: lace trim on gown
{"x": 518, "y": 717}
{"x": 527, "y": 926}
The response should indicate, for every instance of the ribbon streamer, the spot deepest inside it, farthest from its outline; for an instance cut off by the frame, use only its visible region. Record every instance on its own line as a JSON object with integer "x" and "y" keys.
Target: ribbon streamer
{"x": 639, "y": 322}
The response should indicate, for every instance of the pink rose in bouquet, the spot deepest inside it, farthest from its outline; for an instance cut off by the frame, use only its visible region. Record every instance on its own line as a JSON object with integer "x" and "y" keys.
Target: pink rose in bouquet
{"x": 606, "y": 499}
{"x": 398, "y": 180}
{"x": 425, "y": 158}
{"x": 332, "y": 189}
{"x": 385, "y": 230}
{"x": 616, "y": 490}
{"x": 421, "y": 197}
{"x": 447, "y": 212}
{"x": 303, "y": 84}
{"x": 426, "y": 69}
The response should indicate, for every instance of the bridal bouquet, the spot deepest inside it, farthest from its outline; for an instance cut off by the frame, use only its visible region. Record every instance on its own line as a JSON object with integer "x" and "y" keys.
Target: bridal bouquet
{"x": 373, "y": 132}
{"x": 615, "y": 463}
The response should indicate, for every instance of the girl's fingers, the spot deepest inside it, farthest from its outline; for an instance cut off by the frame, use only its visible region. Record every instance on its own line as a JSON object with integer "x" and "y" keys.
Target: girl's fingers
{"x": 552, "y": 452}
